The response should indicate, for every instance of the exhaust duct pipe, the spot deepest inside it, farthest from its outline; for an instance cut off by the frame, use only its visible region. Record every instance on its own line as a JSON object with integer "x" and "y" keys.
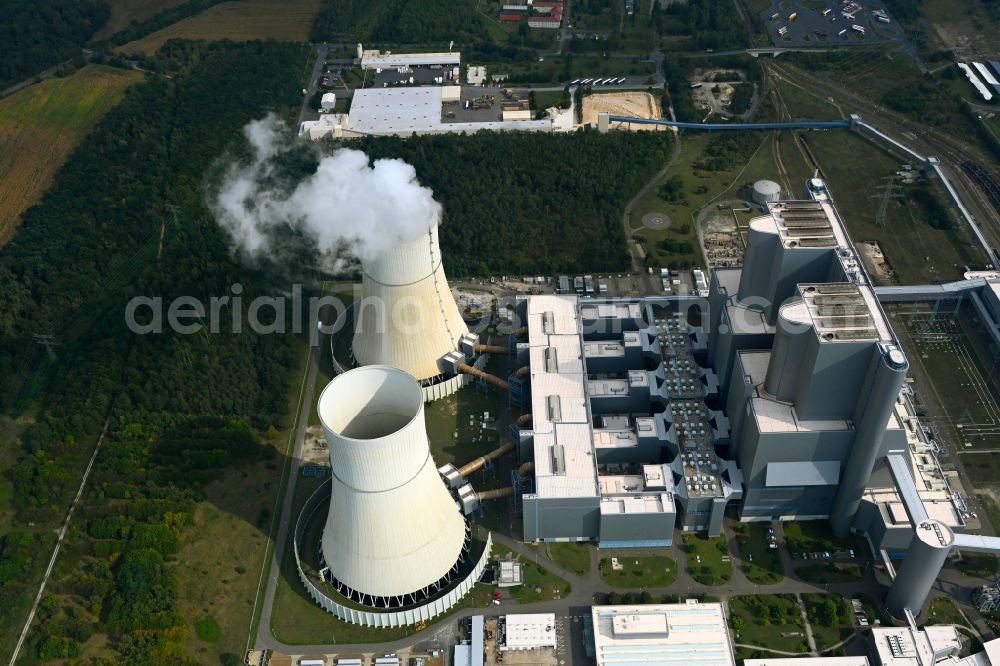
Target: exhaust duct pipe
{"x": 470, "y": 467}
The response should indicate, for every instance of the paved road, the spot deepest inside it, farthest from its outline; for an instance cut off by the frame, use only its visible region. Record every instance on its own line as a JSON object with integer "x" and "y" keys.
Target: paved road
{"x": 587, "y": 590}
{"x": 273, "y": 568}
{"x": 321, "y": 51}
{"x": 638, "y": 262}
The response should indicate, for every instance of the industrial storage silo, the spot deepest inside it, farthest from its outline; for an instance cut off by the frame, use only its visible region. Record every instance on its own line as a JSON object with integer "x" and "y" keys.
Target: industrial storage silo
{"x": 407, "y": 318}
{"x": 394, "y": 535}
{"x": 766, "y": 191}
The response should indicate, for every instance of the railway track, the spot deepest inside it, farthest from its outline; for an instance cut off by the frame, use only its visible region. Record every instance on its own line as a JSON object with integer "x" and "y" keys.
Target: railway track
{"x": 974, "y": 180}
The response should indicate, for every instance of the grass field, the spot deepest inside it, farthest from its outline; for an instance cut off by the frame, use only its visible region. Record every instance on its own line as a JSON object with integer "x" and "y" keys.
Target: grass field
{"x": 829, "y": 573}
{"x": 571, "y": 556}
{"x": 41, "y": 125}
{"x": 636, "y": 572}
{"x": 283, "y": 20}
{"x": 983, "y": 565}
{"x": 768, "y": 620}
{"x": 540, "y": 584}
{"x": 960, "y": 30}
{"x": 830, "y": 618}
{"x": 708, "y": 559}
{"x": 917, "y": 252}
{"x": 123, "y": 12}
{"x": 761, "y": 564}
{"x": 221, "y": 553}
{"x": 812, "y": 536}
{"x": 944, "y": 611}
{"x": 802, "y": 105}
{"x": 700, "y": 188}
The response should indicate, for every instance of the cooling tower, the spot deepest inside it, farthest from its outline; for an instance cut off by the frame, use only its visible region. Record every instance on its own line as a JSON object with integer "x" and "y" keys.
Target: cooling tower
{"x": 394, "y": 534}
{"x": 407, "y": 318}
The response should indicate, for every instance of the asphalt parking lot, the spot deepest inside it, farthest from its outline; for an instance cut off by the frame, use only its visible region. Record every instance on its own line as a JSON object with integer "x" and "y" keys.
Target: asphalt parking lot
{"x": 809, "y": 21}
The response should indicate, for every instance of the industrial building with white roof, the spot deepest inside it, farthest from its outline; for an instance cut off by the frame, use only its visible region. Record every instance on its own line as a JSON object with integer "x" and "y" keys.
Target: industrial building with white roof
{"x": 408, "y": 110}
{"x": 682, "y": 634}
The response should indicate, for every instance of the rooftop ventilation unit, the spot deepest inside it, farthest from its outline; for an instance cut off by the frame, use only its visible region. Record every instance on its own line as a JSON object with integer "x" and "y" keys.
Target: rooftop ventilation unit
{"x": 825, "y": 241}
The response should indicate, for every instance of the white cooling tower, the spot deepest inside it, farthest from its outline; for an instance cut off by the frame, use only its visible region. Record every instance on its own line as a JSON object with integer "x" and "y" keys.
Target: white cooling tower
{"x": 394, "y": 534}
{"x": 407, "y": 318}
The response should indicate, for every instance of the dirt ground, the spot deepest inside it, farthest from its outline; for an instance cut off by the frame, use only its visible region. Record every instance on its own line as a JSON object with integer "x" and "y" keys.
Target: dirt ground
{"x": 635, "y": 104}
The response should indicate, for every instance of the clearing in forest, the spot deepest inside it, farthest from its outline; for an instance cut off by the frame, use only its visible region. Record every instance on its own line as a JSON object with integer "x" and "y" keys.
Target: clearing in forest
{"x": 123, "y": 12}
{"x": 283, "y": 20}
{"x": 632, "y": 104}
{"x": 42, "y": 124}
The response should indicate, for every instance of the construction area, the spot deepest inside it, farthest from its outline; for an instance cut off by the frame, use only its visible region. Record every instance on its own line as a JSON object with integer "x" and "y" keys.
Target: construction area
{"x": 713, "y": 89}
{"x": 720, "y": 236}
{"x": 631, "y": 104}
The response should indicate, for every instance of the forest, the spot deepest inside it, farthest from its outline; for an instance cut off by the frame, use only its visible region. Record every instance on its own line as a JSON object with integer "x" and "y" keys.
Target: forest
{"x": 712, "y": 24}
{"x": 399, "y": 21}
{"x": 37, "y": 35}
{"x": 181, "y": 408}
{"x": 531, "y": 202}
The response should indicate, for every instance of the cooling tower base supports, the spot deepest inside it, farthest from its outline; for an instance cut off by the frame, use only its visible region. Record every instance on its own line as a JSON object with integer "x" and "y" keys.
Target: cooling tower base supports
{"x": 349, "y": 611}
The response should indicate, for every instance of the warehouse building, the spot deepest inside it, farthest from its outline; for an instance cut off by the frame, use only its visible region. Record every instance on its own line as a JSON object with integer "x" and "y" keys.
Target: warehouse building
{"x": 690, "y": 633}
{"x": 404, "y": 111}
{"x": 375, "y": 59}
{"x": 529, "y": 631}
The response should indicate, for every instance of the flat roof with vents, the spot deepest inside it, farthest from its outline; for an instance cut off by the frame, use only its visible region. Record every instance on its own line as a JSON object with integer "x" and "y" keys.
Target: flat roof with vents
{"x": 682, "y": 634}
{"x": 802, "y": 224}
{"x": 561, "y": 421}
{"x": 403, "y": 111}
{"x": 842, "y": 312}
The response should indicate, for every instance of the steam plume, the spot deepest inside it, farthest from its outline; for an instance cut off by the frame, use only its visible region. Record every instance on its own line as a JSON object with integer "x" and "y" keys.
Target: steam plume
{"x": 346, "y": 205}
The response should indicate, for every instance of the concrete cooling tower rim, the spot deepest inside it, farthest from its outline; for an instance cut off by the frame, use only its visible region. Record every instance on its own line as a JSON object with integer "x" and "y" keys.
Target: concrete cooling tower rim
{"x": 343, "y": 383}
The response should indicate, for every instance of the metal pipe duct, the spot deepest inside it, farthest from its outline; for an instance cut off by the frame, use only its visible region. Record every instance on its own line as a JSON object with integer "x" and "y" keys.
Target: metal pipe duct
{"x": 470, "y": 467}
{"x": 526, "y": 469}
{"x": 485, "y": 376}
{"x": 523, "y": 372}
{"x": 524, "y": 420}
{"x": 498, "y": 493}
{"x": 393, "y": 531}
{"x": 490, "y": 349}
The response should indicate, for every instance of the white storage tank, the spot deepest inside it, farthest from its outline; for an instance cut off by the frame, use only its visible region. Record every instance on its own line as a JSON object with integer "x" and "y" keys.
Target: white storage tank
{"x": 766, "y": 191}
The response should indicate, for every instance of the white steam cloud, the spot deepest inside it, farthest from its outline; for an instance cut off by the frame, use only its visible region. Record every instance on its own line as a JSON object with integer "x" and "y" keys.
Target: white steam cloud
{"x": 346, "y": 205}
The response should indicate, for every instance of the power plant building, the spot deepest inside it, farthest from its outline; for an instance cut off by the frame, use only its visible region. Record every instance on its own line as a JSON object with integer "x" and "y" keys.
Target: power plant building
{"x": 689, "y": 633}
{"x": 782, "y": 393}
{"x": 605, "y": 440}
{"x": 793, "y": 406}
